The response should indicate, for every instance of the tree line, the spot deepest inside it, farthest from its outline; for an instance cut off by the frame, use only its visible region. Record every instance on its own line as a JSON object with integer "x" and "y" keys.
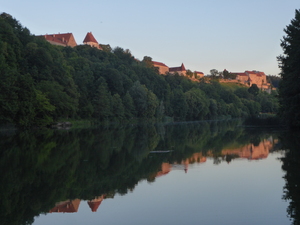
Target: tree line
{"x": 42, "y": 83}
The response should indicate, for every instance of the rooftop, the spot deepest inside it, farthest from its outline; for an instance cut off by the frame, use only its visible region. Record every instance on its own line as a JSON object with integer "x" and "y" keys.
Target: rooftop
{"x": 90, "y": 38}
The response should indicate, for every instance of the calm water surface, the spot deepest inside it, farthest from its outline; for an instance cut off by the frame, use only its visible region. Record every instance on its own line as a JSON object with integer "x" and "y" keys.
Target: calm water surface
{"x": 191, "y": 173}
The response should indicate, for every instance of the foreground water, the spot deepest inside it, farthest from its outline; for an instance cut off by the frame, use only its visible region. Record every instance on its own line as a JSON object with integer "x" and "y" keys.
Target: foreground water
{"x": 191, "y": 173}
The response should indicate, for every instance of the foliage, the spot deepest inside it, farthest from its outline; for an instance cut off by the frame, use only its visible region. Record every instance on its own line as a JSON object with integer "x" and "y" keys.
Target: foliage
{"x": 227, "y": 75}
{"x": 254, "y": 90}
{"x": 289, "y": 89}
{"x": 42, "y": 83}
{"x": 274, "y": 80}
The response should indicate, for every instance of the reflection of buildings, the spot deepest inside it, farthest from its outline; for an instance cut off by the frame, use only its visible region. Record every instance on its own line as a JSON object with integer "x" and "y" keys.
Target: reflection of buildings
{"x": 66, "y": 206}
{"x": 71, "y": 206}
{"x": 165, "y": 169}
{"x": 251, "y": 151}
{"x": 183, "y": 165}
{"x": 94, "y": 204}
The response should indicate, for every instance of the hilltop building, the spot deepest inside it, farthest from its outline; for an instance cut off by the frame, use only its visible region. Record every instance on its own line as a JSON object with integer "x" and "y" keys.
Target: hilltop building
{"x": 91, "y": 40}
{"x": 66, "y": 39}
{"x": 253, "y": 77}
{"x": 199, "y": 74}
{"x": 162, "y": 68}
{"x": 180, "y": 70}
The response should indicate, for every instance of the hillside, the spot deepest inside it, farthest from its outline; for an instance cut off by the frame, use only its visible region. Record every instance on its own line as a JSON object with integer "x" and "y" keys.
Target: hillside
{"x": 42, "y": 83}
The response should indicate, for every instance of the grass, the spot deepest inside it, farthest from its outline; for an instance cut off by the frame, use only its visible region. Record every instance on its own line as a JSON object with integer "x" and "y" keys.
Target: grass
{"x": 233, "y": 86}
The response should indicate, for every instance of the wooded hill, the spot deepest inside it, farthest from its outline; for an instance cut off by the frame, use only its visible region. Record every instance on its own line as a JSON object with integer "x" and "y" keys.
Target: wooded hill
{"x": 42, "y": 83}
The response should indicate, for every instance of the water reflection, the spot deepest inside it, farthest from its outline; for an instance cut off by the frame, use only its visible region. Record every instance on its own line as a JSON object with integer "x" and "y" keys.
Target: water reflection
{"x": 291, "y": 166}
{"x": 52, "y": 170}
{"x": 71, "y": 206}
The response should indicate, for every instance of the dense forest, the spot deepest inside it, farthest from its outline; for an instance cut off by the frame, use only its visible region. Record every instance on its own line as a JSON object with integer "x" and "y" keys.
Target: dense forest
{"x": 289, "y": 88}
{"x": 42, "y": 83}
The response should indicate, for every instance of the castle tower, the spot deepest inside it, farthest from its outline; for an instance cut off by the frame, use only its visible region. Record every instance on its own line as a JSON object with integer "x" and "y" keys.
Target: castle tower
{"x": 91, "y": 40}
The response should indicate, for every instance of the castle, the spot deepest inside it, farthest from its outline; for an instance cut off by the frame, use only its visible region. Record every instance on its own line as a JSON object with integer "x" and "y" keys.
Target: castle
{"x": 67, "y": 39}
{"x": 251, "y": 77}
{"x": 163, "y": 69}
{"x": 247, "y": 78}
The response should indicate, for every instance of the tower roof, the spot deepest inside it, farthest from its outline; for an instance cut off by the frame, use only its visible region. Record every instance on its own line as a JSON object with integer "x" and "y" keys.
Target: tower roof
{"x": 182, "y": 67}
{"x": 178, "y": 69}
{"x": 90, "y": 38}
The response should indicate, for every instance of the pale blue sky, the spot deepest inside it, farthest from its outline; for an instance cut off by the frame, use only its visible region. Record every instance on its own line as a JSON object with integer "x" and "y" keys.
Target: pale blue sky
{"x": 236, "y": 35}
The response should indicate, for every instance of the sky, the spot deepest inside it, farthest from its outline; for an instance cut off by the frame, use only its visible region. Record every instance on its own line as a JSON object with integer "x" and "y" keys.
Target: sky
{"x": 236, "y": 35}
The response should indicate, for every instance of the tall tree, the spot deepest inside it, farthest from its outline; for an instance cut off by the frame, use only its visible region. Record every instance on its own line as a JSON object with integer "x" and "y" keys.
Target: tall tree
{"x": 289, "y": 62}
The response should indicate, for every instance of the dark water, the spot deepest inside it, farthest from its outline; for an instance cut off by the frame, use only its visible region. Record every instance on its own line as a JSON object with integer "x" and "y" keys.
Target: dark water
{"x": 191, "y": 173}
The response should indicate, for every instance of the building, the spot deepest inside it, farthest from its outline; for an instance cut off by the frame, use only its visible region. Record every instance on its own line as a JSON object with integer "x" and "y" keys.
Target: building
{"x": 242, "y": 77}
{"x": 253, "y": 77}
{"x": 162, "y": 68}
{"x": 66, "y": 39}
{"x": 91, "y": 41}
{"x": 69, "y": 206}
{"x": 258, "y": 78}
{"x": 199, "y": 74}
{"x": 180, "y": 70}
{"x": 95, "y": 203}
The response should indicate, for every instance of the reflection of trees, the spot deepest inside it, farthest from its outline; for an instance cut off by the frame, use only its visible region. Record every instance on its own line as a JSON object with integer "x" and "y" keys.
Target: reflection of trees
{"x": 36, "y": 168}
{"x": 291, "y": 165}
{"x": 44, "y": 167}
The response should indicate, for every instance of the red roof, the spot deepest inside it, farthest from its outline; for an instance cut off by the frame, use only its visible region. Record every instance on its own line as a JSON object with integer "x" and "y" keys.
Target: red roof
{"x": 90, "y": 38}
{"x": 198, "y": 72}
{"x": 67, "y": 206}
{"x": 261, "y": 73}
{"x": 159, "y": 64}
{"x": 258, "y": 73}
{"x": 177, "y": 69}
{"x": 182, "y": 67}
{"x": 94, "y": 205}
{"x": 251, "y": 72}
{"x": 59, "y": 38}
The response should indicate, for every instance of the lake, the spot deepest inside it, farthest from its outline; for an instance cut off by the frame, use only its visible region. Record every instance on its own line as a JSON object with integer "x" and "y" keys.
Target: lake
{"x": 215, "y": 172}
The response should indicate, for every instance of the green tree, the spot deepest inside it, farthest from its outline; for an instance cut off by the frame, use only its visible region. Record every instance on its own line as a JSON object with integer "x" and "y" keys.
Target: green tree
{"x": 43, "y": 108}
{"x": 198, "y": 104}
{"x": 179, "y": 105}
{"x": 152, "y": 104}
{"x": 106, "y": 48}
{"x": 138, "y": 93}
{"x": 102, "y": 103}
{"x": 254, "y": 90}
{"x": 189, "y": 73}
{"x": 147, "y": 61}
{"x": 289, "y": 63}
{"x": 129, "y": 108}
{"x": 117, "y": 107}
{"x": 214, "y": 74}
